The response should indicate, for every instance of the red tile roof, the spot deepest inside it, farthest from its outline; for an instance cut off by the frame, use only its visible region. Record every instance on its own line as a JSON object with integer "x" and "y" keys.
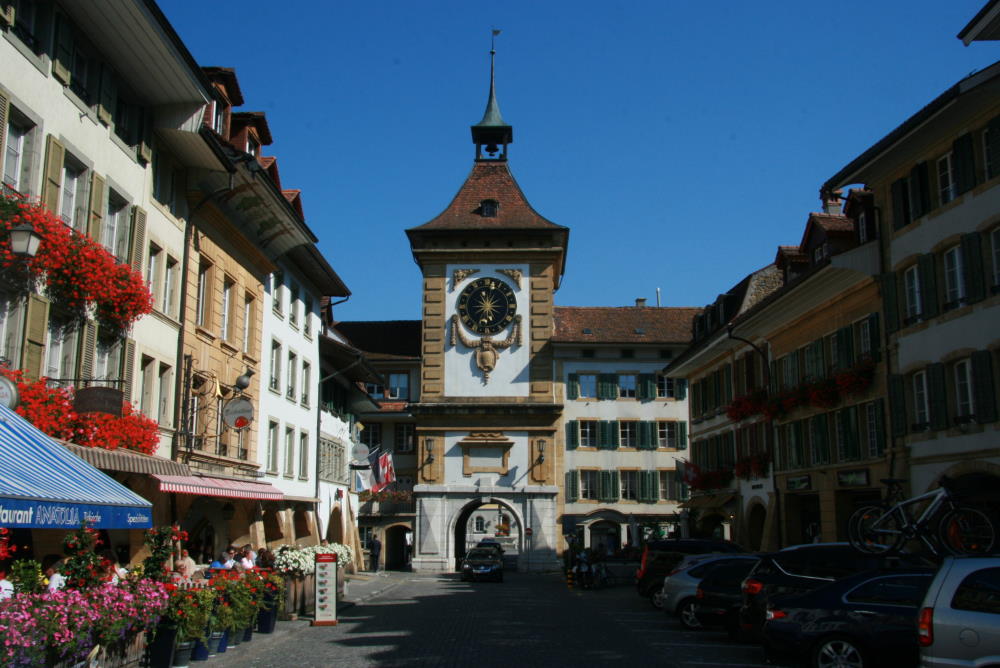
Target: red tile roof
{"x": 626, "y": 324}
{"x": 489, "y": 180}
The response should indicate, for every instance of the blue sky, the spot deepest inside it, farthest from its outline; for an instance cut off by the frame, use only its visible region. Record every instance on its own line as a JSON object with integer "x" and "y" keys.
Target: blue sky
{"x": 681, "y": 142}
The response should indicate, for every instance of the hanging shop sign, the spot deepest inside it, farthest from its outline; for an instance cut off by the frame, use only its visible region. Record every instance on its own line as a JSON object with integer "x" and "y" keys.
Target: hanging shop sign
{"x": 9, "y": 396}
{"x": 238, "y": 413}
{"x": 97, "y": 399}
{"x": 853, "y": 478}
{"x": 799, "y": 482}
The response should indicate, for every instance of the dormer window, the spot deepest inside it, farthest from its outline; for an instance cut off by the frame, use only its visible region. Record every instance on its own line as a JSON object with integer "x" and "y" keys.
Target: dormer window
{"x": 253, "y": 147}
{"x": 488, "y": 208}
{"x": 217, "y": 116}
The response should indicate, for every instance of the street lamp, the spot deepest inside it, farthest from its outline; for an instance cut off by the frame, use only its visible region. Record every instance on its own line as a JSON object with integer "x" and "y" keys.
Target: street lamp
{"x": 24, "y": 240}
{"x": 541, "y": 451}
{"x": 243, "y": 381}
{"x": 429, "y": 449}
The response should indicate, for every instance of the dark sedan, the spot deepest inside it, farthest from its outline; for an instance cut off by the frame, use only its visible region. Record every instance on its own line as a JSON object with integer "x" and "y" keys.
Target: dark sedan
{"x": 869, "y": 619}
{"x": 482, "y": 563}
{"x": 718, "y": 599}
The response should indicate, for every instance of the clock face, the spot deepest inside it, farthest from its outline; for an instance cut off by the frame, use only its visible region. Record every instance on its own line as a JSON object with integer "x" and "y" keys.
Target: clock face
{"x": 487, "y": 305}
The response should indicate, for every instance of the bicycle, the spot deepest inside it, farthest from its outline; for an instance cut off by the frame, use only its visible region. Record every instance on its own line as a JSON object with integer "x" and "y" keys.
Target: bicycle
{"x": 935, "y": 518}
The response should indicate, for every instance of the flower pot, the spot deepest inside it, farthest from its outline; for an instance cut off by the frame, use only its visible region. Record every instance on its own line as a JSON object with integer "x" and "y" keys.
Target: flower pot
{"x": 160, "y": 649}
{"x": 248, "y": 634}
{"x": 200, "y": 651}
{"x": 182, "y": 654}
{"x": 214, "y": 638}
{"x": 266, "y": 620}
{"x": 235, "y": 638}
{"x": 223, "y": 643}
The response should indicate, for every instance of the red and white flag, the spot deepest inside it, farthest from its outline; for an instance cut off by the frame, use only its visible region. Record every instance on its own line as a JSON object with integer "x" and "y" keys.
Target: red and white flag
{"x": 386, "y": 472}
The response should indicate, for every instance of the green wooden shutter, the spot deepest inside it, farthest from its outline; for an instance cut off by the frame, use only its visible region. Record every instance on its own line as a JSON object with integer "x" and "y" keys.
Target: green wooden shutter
{"x": 727, "y": 384}
{"x": 928, "y": 285}
{"x": 845, "y": 348}
{"x": 572, "y": 486}
{"x": 964, "y": 163}
{"x": 853, "y": 434}
{"x": 880, "y": 426}
{"x": 643, "y": 491}
{"x": 572, "y": 435}
{"x": 874, "y": 340}
{"x": 573, "y": 387}
{"x": 897, "y": 405}
{"x": 616, "y": 489}
{"x": 680, "y": 388}
{"x": 613, "y": 435}
{"x": 983, "y": 389}
{"x": 35, "y": 330}
{"x": 682, "y": 435}
{"x": 938, "y": 399}
{"x": 604, "y": 485}
{"x": 972, "y": 267}
{"x": 820, "y": 439}
{"x": 62, "y": 64}
{"x": 890, "y": 301}
{"x": 900, "y": 204}
{"x": 993, "y": 146}
{"x": 98, "y": 205}
{"x": 643, "y": 440}
{"x": 108, "y": 97}
{"x": 138, "y": 246}
{"x": 647, "y": 386}
{"x": 920, "y": 190}
{"x": 55, "y": 155}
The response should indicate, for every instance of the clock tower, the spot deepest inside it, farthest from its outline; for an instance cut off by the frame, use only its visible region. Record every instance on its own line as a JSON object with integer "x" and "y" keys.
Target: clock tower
{"x": 488, "y": 409}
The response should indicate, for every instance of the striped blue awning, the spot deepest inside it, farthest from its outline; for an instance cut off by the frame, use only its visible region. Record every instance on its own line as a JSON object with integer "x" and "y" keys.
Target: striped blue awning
{"x": 44, "y": 486}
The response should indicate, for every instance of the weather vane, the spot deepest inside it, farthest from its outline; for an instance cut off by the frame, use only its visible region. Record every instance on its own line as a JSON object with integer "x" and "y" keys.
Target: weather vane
{"x": 493, "y": 41}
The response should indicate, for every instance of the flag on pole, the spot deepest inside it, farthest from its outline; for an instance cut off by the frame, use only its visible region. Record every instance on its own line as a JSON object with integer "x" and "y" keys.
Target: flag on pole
{"x": 362, "y": 480}
{"x": 383, "y": 474}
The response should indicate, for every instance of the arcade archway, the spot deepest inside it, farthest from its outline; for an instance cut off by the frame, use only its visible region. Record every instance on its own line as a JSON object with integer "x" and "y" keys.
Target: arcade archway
{"x": 505, "y": 524}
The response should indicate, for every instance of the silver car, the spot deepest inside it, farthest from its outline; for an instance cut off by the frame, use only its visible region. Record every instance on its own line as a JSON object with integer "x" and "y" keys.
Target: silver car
{"x": 679, "y": 587}
{"x": 959, "y": 623}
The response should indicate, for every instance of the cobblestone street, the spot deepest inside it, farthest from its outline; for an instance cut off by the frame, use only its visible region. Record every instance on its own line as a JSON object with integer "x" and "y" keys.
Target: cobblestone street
{"x": 529, "y": 620}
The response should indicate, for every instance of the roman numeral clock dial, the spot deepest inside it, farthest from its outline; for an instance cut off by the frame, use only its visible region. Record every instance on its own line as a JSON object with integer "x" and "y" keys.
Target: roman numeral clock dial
{"x": 487, "y": 306}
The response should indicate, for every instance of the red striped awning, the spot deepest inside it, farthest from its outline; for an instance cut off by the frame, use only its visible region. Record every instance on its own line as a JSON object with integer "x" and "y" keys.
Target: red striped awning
{"x": 230, "y": 489}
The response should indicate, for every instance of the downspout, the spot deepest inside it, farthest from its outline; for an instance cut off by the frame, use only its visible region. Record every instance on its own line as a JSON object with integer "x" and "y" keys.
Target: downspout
{"x": 769, "y": 430}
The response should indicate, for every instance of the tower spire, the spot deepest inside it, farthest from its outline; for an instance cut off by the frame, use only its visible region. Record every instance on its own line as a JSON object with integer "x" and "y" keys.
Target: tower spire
{"x": 492, "y": 133}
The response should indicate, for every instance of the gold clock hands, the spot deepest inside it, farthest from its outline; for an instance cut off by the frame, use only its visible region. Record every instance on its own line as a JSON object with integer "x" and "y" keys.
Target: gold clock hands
{"x": 487, "y": 306}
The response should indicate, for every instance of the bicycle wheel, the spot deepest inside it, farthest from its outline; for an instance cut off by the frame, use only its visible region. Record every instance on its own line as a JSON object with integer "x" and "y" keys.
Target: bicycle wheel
{"x": 861, "y": 516}
{"x": 965, "y": 530}
{"x": 876, "y": 531}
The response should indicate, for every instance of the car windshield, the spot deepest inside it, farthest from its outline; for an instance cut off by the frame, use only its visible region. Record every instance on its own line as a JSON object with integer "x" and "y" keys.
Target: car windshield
{"x": 479, "y": 554}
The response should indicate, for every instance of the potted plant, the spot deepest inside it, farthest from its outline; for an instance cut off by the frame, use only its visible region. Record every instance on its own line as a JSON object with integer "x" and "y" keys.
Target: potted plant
{"x": 189, "y": 610}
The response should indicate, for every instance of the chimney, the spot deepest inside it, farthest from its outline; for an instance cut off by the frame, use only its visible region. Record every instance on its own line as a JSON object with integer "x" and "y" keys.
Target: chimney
{"x": 640, "y": 302}
{"x": 833, "y": 203}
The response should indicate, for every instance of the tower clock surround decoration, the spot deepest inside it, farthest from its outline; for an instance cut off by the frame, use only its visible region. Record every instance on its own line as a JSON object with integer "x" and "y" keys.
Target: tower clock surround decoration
{"x": 486, "y": 306}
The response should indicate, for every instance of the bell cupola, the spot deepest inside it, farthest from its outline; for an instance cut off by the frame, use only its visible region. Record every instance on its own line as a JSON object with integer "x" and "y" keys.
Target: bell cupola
{"x": 491, "y": 135}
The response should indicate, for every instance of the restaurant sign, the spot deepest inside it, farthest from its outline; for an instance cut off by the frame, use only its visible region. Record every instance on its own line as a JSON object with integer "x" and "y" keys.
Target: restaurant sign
{"x": 35, "y": 514}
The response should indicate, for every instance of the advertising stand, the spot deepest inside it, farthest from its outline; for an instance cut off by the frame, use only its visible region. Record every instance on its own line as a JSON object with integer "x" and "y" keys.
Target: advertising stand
{"x": 326, "y": 590}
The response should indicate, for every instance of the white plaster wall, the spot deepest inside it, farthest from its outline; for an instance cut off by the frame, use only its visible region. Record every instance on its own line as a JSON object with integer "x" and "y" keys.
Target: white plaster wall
{"x": 518, "y": 463}
{"x": 510, "y": 377}
{"x": 973, "y": 331}
{"x": 959, "y": 218}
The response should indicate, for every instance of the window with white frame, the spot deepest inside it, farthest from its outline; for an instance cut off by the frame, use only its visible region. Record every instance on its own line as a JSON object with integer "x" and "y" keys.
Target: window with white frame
{"x": 627, "y": 383}
{"x": 588, "y": 385}
{"x": 376, "y": 390}
{"x": 303, "y": 456}
{"x": 630, "y": 485}
{"x": 165, "y": 392}
{"x": 399, "y": 386}
{"x": 911, "y": 284}
{"x": 275, "y": 381}
{"x": 107, "y": 361}
{"x": 228, "y": 297}
{"x": 668, "y": 486}
{"x": 306, "y": 381}
{"x": 248, "y": 306}
{"x": 946, "y": 178}
{"x": 963, "y": 389}
{"x": 289, "y": 451}
{"x": 665, "y": 387}
{"x": 307, "y": 316}
{"x": 404, "y": 437}
{"x": 628, "y": 434}
{"x": 152, "y": 269}
{"x": 169, "y": 287}
{"x": 15, "y": 154}
{"x": 203, "y": 307}
{"x": 666, "y": 434}
{"x": 12, "y": 312}
{"x": 864, "y": 337}
{"x": 293, "y": 305}
{"x": 589, "y": 433}
{"x": 147, "y": 378}
{"x": 115, "y": 227}
{"x": 371, "y": 435}
{"x": 480, "y": 524}
{"x": 277, "y": 293}
{"x": 60, "y": 352}
{"x": 218, "y": 116}
{"x": 73, "y": 195}
{"x": 921, "y": 410}
{"x": 272, "y": 446}
{"x": 588, "y": 485}
{"x": 293, "y": 371}
{"x": 954, "y": 286}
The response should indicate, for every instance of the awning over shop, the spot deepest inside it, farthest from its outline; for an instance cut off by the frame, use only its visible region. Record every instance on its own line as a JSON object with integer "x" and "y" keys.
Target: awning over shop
{"x": 222, "y": 487}
{"x": 44, "y": 486}
{"x": 128, "y": 461}
{"x": 711, "y": 501}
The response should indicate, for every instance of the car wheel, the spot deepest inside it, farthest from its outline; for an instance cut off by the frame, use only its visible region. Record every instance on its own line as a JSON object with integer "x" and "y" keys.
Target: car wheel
{"x": 657, "y": 599}
{"x": 837, "y": 652}
{"x": 685, "y": 613}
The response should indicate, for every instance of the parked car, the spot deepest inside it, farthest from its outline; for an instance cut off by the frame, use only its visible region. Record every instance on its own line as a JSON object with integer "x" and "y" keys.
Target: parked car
{"x": 959, "y": 623}
{"x": 482, "y": 563}
{"x": 677, "y": 595}
{"x": 491, "y": 543}
{"x": 801, "y": 568}
{"x": 659, "y": 557}
{"x": 869, "y": 619}
{"x": 719, "y": 595}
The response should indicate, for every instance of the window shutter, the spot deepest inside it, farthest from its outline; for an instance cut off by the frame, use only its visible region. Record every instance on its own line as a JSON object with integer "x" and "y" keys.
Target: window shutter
{"x": 820, "y": 439}
{"x": 647, "y": 386}
{"x": 109, "y": 95}
{"x": 993, "y": 146}
{"x": 98, "y": 205}
{"x": 727, "y": 384}
{"x": 680, "y": 388}
{"x": 88, "y": 350}
{"x": 616, "y": 481}
{"x": 900, "y": 204}
{"x": 965, "y": 164}
{"x": 853, "y": 433}
{"x": 897, "y": 405}
{"x": 613, "y": 440}
{"x": 55, "y": 155}
{"x": 874, "y": 340}
{"x": 682, "y": 435}
{"x": 983, "y": 389}
{"x": 138, "y": 238}
{"x": 845, "y": 348}
{"x": 573, "y": 387}
{"x": 646, "y": 435}
{"x": 643, "y": 492}
{"x": 4, "y": 114}
{"x": 35, "y": 330}
{"x": 920, "y": 191}
{"x": 572, "y": 486}
{"x": 928, "y": 285}
{"x": 572, "y": 435}
{"x": 938, "y": 399}
{"x": 972, "y": 267}
{"x": 607, "y": 386}
{"x": 604, "y": 485}
{"x": 880, "y": 426}
{"x": 129, "y": 369}
{"x": 890, "y": 302}
{"x": 62, "y": 63}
